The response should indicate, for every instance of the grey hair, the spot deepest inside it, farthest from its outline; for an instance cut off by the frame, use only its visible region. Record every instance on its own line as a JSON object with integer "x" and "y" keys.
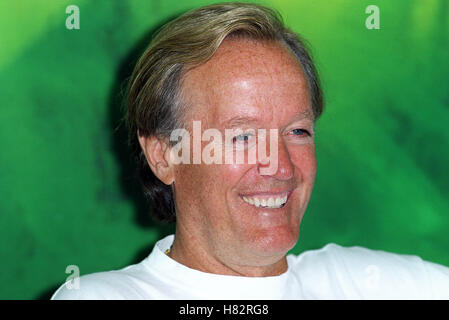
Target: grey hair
{"x": 153, "y": 104}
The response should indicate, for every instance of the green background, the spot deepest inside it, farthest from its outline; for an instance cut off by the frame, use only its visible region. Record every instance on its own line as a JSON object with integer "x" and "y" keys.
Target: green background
{"x": 67, "y": 193}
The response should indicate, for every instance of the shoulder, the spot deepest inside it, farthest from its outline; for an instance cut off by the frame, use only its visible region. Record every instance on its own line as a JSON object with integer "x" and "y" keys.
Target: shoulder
{"x": 357, "y": 272}
{"x": 360, "y": 256}
{"x": 126, "y": 283}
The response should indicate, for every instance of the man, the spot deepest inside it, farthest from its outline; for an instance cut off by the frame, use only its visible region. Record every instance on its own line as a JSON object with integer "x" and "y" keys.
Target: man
{"x": 234, "y": 70}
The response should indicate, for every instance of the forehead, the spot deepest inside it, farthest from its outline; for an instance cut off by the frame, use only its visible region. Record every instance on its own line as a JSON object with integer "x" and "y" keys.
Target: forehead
{"x": 246, "y": 79}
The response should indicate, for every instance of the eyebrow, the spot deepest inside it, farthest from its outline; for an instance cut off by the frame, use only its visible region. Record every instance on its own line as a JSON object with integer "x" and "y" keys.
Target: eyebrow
{"x": 304, "y": 114}
{"x": 239, "y": 121}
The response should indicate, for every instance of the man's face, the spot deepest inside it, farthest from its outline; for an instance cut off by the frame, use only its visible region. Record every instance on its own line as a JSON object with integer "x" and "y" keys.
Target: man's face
{"x": 248, "y": 85}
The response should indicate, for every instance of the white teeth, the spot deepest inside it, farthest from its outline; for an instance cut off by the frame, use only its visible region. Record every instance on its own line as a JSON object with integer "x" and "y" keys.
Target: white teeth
{"x": 272, "y": 202}
{"x": 278, "y": 202}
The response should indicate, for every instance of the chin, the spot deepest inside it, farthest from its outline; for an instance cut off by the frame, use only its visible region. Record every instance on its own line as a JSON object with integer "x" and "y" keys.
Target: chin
{"x": 274, "y": 241}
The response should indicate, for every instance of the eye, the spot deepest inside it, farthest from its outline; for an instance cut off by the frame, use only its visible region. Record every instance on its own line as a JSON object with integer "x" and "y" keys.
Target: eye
{"x": 244, "y": 141}
{"x": 241, "y": 138}
{"x": 300, "y": 132}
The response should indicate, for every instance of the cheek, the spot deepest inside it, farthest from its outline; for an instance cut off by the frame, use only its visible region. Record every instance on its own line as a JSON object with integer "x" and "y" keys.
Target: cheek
{"x": 210, "y": 183}
{"x": 304, "y": 160}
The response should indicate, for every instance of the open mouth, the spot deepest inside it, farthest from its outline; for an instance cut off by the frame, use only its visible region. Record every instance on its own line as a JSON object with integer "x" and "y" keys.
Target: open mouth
{"x": 267, "y": 201}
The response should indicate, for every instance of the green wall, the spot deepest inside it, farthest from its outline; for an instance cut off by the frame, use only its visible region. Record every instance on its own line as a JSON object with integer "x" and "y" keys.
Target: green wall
{"x": 67, "y": 195}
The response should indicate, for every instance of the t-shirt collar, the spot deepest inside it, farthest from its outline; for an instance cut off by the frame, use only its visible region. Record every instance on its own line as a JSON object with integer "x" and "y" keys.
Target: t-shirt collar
{"x": 213, "y": 286}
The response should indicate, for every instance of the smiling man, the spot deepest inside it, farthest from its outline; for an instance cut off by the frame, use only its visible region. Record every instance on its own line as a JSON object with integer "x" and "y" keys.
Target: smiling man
{"x": 261, "y": 84}
{"x": 237, "y": 67}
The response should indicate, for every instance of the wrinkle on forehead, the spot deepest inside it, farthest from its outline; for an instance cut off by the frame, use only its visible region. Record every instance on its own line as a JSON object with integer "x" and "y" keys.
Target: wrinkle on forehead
{"x": 240, "y": 71}
{"x": 237, "y": 58}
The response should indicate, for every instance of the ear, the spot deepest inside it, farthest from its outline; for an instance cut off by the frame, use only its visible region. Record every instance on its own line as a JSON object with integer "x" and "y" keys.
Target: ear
{"x": 157, "y": 153}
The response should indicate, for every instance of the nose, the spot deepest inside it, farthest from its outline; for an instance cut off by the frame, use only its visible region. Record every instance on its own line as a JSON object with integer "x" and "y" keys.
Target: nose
{"x": 278, "y": 163}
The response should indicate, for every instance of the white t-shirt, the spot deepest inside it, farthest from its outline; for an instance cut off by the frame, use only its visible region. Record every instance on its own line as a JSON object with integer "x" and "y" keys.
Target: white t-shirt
{"x": 333, "y": 272}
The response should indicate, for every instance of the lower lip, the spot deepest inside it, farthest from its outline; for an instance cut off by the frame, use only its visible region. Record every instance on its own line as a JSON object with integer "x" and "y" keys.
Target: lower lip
{"x": 268, "y": 218}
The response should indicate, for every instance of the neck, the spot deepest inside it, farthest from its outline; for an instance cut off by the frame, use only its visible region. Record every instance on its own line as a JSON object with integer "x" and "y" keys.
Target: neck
{"x": 191, "y": 253}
